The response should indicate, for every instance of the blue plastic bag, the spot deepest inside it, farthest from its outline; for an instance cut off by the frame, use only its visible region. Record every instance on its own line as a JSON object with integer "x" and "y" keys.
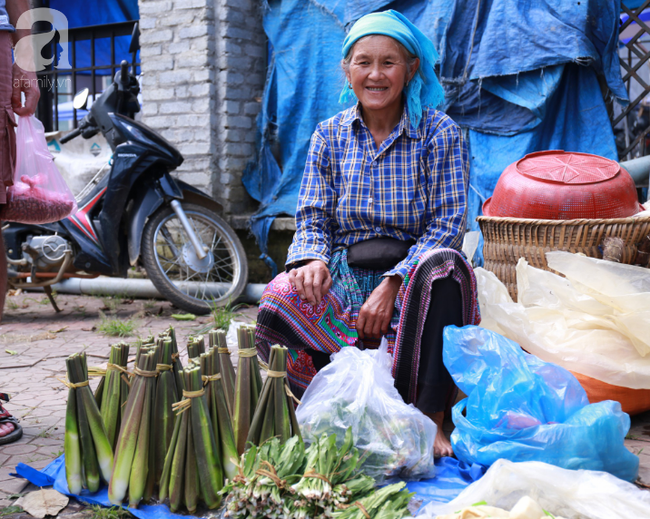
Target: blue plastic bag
{"x": 522, "y": 409}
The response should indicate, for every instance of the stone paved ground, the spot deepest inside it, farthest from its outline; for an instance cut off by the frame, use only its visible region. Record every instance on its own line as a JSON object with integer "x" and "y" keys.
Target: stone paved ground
{"x": 34, "y": 342}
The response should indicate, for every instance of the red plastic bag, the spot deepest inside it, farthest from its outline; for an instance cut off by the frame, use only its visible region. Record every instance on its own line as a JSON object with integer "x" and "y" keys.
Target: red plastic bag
{"x": 39, "y": 194}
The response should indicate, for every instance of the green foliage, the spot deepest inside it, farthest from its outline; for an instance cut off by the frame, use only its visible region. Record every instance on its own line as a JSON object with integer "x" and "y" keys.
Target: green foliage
{"x": 10, "y": 510}
{"x": 116, "y": 327}
{"x": 114, "y": 512}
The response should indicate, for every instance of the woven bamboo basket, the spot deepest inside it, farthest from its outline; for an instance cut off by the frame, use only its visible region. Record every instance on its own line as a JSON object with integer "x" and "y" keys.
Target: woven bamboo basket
{"x": 508, "y": 239}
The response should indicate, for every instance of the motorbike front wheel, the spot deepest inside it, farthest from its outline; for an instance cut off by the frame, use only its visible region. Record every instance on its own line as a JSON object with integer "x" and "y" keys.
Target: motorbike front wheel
{"x": 192, "y": 284}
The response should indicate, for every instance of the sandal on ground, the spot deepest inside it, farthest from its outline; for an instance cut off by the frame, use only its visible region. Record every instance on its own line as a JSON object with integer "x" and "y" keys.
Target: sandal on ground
{"x": 5, "y": 417}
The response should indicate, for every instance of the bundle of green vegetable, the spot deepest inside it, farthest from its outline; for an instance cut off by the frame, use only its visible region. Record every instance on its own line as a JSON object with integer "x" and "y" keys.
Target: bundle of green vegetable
{"x": 195, "y": 346}
{"x": 170, "y": 333}
{"x": 288, "y": 481}
{"x": 167, "y": 394}
{"x": 193, "y": 467}
{"x": 248, "y": 385}
{"x": 357, "y": 390}
{"x": 219, "y": 412}
{"x": 88, "y": 453}
{"x": 217, "y": 339}
{"x": 113, "y": 391}
{"x": 274, "y": 414}
{"x": 133, "y": 454}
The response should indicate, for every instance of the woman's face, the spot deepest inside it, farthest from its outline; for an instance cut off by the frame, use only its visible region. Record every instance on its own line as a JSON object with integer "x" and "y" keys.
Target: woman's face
{"x": 378, "y": 72}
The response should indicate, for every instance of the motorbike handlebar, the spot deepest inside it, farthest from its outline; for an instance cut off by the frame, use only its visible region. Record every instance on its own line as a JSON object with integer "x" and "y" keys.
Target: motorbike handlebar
{"x": 71, "y": 135}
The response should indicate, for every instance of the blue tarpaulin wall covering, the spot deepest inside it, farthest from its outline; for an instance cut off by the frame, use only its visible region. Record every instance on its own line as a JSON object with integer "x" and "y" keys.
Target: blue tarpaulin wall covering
{"x": 519, "y": 77}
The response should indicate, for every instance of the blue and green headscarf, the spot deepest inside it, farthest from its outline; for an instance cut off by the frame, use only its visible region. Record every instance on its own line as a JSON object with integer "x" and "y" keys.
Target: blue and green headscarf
{"x": 424, "y": 90}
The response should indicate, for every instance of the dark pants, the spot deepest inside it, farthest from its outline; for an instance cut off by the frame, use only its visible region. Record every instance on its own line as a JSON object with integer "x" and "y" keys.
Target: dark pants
{"x": 436, "y": 388}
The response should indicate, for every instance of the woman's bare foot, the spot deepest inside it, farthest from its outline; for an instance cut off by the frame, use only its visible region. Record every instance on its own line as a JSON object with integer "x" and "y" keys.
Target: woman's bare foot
{"x": 441, "y": 444}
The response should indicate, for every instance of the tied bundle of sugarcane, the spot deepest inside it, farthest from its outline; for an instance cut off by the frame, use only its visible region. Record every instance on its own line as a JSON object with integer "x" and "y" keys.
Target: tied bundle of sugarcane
{"x": 219, "y": 412}
{"x": 88, "y": 453}
{"x": 248, "y": 384}
{"x": 217, "y": 339}
{"x": 134, "y": 443}
{"x": 192, "y": 468}
{"x": 195, "y": 346}
{"x": 115, "y": 392}
{"x": 274, "y": 414}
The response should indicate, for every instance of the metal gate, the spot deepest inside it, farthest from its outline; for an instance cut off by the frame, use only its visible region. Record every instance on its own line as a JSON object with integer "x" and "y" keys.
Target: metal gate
{"x": 93, "y": 62}
{"x": 632, "y": 123}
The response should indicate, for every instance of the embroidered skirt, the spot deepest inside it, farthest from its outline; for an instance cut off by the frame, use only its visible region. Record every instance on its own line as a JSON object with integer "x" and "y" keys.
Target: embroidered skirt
{"x": 286, "y": 319}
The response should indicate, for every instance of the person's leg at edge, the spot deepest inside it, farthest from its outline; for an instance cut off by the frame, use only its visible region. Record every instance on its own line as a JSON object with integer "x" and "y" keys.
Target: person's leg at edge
{"x": 435, "y": 385}
{"x": 5, "y": 101}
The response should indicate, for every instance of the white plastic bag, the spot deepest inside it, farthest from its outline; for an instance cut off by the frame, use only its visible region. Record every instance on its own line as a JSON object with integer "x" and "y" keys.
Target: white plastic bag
{"x": 574, "y": 494}
{"x": 592, "y": 322}
{"x": 356, "y": 390}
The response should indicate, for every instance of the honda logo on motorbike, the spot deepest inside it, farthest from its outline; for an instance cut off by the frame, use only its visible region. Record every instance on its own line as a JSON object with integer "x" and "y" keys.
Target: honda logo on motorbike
{"x": 34, "y": 43}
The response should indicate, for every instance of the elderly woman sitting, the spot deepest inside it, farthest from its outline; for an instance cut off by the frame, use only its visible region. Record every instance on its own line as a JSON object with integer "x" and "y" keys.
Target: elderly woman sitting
{"x": 381, "y": 217}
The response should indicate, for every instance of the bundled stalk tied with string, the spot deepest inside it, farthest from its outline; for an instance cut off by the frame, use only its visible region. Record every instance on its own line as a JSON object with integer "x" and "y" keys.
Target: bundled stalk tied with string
{"x": 114, "y": 390}
{"x": 195, "y": 346}
{"x": 88, "y": 452}
{"x": 193, "y": 469}
{"x": 274, "y": 414}
{"x": 219, "y": 411}
{"x": 248, "y": 385}
{"x": 217, "y": 340}
{"x": 134, "y": 444}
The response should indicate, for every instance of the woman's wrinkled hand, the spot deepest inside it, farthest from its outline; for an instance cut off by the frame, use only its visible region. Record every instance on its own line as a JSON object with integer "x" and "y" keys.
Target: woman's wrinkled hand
{"x": 312, "y": 281}
{"x": 376, "y": 313}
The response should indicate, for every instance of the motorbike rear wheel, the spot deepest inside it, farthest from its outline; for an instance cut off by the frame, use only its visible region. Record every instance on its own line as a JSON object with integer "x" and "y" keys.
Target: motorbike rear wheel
{"x": 194, "y": 285}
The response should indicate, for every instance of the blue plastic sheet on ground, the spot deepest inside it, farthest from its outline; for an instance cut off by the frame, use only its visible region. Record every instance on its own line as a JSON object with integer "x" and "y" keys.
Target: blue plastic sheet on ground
{"x": 54, "y": 474}
{"x": 523, "y": 409}
{"x": 451, "y": 478}
{"x": 514, "y": 74}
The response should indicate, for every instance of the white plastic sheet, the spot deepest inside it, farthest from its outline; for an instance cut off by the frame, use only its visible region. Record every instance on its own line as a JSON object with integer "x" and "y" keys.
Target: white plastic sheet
{"x": 594, "y": 322}
{"x": 574, "y": 494}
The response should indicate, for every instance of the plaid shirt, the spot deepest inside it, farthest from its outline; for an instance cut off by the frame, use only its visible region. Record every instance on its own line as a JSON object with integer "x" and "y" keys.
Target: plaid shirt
{"x": 413, "y": 187}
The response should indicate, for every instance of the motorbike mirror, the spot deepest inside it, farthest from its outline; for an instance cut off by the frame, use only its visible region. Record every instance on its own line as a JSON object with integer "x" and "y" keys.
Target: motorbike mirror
{"x": 135, "y": 38}
{"x": 80, "y": 99}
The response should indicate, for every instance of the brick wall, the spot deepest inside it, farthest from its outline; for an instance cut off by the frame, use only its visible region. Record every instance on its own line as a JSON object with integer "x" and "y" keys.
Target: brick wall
{"x": 204, "y": 65}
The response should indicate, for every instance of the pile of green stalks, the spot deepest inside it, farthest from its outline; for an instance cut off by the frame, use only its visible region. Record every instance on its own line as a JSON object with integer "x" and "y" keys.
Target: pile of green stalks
{"x": 274, "y": 415}
{"x": 88, "y": 452}
{"x": 248, "y": 385}
{"x": 167, "y": 394}
{"x": 219, "y": 412}
{"x": 134, "y": 454}
{"x": 287, "y": 480}
{"x": 170, "y": 334}
{"x": 217, "y": 340}
{"x": 195, "y": 346}
{"x": 113, "y": 391}
{"x": 193, "y": 469}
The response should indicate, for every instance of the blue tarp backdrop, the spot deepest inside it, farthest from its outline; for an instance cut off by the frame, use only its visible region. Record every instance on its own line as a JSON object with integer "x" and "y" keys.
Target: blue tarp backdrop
{"x": 519, "y": 77}
{"x": 80, "y": 13}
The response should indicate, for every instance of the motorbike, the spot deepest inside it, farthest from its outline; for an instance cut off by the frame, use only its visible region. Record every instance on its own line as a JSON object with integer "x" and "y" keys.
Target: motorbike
{"x": 133, "y": 212}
